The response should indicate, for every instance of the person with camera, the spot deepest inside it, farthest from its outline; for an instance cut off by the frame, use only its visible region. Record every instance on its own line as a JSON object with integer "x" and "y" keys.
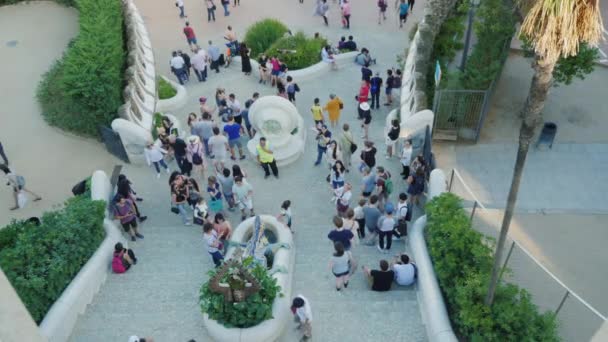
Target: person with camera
{"x": 122, "y": 259}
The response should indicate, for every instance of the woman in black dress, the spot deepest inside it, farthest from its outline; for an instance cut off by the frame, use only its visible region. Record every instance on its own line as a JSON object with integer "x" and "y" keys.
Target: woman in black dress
{"x": 245, "y": 61}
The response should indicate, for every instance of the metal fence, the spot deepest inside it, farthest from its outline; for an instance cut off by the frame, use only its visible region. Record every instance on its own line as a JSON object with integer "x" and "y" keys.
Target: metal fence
{"x": 459, "y": 113}
{"x": 578, "y": 320}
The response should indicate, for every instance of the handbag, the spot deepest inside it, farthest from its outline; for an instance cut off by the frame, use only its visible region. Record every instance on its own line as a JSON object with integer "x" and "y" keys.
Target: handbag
{"x": 175, "y": 210}
{"x": 196, "y": 158}
{"x": 353, "y": 147}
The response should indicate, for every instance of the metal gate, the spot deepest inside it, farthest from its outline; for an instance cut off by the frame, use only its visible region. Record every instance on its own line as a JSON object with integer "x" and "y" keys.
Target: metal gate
{"x": 113, "y": 143}
{"x": 459, "y": 114}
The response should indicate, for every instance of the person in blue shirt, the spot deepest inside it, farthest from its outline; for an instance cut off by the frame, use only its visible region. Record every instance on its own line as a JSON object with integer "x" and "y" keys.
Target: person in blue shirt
{"x": 233, "y": 130}
{"x": 403, "y": 11}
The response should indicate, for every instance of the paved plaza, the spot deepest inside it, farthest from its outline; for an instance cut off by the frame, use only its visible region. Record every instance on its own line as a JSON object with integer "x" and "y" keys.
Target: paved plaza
{"x": 159, "y": 296}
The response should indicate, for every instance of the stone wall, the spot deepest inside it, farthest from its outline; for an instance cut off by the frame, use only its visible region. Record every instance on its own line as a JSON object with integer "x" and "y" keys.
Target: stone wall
{"x": 414, "y": 112}
{"x": 135, "y": 122}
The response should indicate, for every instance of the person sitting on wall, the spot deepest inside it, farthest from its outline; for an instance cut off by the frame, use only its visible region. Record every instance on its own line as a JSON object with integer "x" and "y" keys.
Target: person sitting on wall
{"x": 380, "y": 280}
{"x": 364, "y": 58}
{"x": 123, "y": 259}
{"x": 405, "y": 271}
{"x": 350, "y": 45}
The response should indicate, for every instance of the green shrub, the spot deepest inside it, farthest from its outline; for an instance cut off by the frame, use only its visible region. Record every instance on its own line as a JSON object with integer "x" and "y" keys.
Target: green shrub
{"x": 462, "y": 259}
{"x": 84, "y": 89}
{"x": 297, "y": 51}
{"x": 261, "y": 35}
{"x": 494, "y": 29}
{"x": 255, "y": 309}
{"x": 41, "y": 261}
{"x": 165, "y": 89}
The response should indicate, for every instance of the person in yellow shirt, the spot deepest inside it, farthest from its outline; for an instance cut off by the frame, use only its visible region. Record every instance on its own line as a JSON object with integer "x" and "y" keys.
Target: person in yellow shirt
{"x": 333, "y": 107}
{"x": 265, "y": 157}
{"x": 317, "y": 112}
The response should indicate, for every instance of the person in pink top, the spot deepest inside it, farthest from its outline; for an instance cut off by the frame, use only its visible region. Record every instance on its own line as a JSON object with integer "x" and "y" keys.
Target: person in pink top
{"x": 276, "y": 70}
{"x": 190, "y": 36}
{"x": 346, "y": 14}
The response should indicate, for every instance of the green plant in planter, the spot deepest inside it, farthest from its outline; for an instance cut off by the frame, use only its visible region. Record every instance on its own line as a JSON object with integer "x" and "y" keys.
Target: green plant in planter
{"x": 462, "y": 259}
{"x": 261, "y": 35}
{"x": 297, "y": 51}
{"x": 253, "y": 311}
{"x": 165, "y": 89}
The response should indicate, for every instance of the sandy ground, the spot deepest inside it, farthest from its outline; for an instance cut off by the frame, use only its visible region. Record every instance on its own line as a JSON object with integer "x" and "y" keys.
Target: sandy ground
{"x": 51, "y": 161}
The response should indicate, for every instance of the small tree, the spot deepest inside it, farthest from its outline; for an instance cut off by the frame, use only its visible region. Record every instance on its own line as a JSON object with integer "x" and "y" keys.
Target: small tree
{"x": 555, "y": 29}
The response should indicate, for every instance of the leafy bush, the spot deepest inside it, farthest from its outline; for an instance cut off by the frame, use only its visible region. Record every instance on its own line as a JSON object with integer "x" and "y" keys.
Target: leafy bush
{"x": 462, "y": 259}
{"x": 84, "y": 89}
{"x": 297, "y": 51}
{"x": 494, "y": 29}
{"x": 254, "y": 310}
{"x": 41, "y": 261}
{"x": 261, "y": 35}
{"x": 165, "y": 89}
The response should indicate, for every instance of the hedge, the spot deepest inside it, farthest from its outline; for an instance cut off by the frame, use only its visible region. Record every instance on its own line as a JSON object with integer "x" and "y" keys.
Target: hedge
{"x": 261, "y": 35}
{"x": 41, "y": 261}
{"x": 297, "y": 51}
{"x": 254, "y": 310}
{"x": 84, "y": 88}
{"x": 462, "y": 259}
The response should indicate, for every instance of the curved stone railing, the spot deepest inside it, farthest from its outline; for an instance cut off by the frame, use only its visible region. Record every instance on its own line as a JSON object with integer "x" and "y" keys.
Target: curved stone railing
{"x": 433, "y": 308}
{"x": 284, "y": 259}
{"x": 309, "y": 72}
{"x": 60, "y": 320}
{"x": 140, "y": 93}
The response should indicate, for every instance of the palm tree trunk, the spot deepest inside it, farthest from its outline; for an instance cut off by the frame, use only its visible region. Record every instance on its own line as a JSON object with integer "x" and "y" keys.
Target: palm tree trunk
{"x": 541, "y": 83}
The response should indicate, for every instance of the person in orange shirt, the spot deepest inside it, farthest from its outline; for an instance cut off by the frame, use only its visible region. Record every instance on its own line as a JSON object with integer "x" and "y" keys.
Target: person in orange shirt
{"x": 333, "y": 107}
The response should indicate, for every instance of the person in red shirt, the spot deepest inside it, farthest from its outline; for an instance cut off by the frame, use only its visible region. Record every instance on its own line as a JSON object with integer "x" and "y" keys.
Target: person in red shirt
{"x": 190, "y": 36}
{"x": 363, "y": 92}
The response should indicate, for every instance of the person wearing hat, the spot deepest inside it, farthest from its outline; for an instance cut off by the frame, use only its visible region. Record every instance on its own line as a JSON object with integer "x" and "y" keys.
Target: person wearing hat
{"x": 323, "y": 138}
{"x": 365, "y": 115}
{"x": 333, "y": 107}
{"x": 386, "y": 224}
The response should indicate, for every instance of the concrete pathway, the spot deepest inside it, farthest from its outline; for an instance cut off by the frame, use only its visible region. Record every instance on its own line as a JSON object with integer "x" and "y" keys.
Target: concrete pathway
{"x": 32, "y": 36}
{"x": 159, "y": 296}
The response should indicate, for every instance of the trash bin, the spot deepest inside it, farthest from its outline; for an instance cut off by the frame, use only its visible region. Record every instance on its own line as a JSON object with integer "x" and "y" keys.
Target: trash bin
{"x": 547, "y": 135}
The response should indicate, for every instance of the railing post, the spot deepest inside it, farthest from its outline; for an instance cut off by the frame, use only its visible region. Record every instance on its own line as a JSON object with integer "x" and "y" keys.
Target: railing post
{"x": 451, "y": 181}
{"x": 561, "y": 304}
{"x": 473, "y": 212}
{"x": 504, "y": 265}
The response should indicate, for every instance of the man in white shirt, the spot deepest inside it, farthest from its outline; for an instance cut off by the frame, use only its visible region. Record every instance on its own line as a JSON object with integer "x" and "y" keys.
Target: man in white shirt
{"x": 386, "y": 224}
{"x": 199, "y": 64}
{"x": 243, "y": 196}
{"x": 180, "y": 5}
{"x": 178, "y": 64}
{"x": 405, "y": 272}
{"x": 214, "y": 54}
{"x": 218, "y": 144}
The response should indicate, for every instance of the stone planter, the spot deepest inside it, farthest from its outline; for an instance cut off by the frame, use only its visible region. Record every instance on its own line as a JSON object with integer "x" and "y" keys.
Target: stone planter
{"x": 276, "y": 119}
{"x": 174, "y": 103}
{"x": 272, "y": 329}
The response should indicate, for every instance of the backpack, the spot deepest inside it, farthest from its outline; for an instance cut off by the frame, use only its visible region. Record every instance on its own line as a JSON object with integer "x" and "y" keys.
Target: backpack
{"x": 117, "y": 265}
{"x": 396, "y": 82}
{"x": 20, "y": 181}
{"x": 296, "y": 87}
{"x": 388, "y": 185}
